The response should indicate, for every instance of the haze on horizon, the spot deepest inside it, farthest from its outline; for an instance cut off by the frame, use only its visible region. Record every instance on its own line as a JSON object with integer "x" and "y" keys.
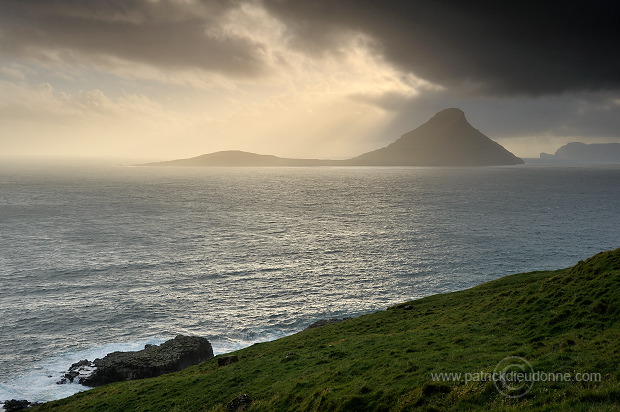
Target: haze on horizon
{"x": 166, "y": 79}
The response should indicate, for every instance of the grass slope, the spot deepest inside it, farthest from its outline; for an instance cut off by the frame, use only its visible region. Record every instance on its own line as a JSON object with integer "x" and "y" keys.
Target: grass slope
{"x": 562, "y": 321}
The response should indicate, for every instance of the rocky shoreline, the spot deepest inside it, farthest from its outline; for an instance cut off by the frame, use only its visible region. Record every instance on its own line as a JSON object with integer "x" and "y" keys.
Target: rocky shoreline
{"x": 154, "y": 360}
{"x": 15, "y": 405}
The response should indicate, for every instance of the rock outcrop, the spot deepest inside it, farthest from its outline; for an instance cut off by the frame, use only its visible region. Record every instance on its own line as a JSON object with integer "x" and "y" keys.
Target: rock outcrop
{"x": 14, "y": 405}
{"x": 227, "y": 360}
{"x": 154, "y": 360}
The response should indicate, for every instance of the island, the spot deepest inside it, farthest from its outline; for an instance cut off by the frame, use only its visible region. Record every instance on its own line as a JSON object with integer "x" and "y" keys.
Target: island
{"x": 578, "y": 152}
{"x": 447, "y": 139}
{"x": 238, "y": 158}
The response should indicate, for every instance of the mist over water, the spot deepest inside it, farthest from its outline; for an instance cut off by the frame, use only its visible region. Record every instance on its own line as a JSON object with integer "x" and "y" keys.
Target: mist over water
{"x": 95, "y": 259}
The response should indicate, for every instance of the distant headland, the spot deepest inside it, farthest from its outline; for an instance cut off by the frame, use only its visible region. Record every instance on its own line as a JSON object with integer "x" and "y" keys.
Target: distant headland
{"x": 577, "y": 152}
{"x": 447, "y": 139}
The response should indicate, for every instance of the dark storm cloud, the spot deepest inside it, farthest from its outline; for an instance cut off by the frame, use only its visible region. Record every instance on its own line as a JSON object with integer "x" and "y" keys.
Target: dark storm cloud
{"x": 526, "y": 47}
{"x": 159, "y": 33}
{"x": 588, "y": 115}
{"x": 494, "y": 47}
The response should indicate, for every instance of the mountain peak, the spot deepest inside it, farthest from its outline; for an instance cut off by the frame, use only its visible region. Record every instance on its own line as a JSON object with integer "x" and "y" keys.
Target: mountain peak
{"x": 447, "y": 139}
{"x": 450, "y": 113}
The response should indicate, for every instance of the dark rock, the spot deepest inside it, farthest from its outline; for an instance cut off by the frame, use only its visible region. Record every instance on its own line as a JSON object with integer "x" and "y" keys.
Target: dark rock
{"x": 431, "y": 389}
{"x": 84, "y": 362}
{"x": 16, "y": 405}
{"x": 227, "y": 360}
{"x": 80, "y": 370}
{"x": 407, "y": 307}
{"x": 240, "y": 403}
{"x": 323, "y": 322}
{"x": 154, "y": 360}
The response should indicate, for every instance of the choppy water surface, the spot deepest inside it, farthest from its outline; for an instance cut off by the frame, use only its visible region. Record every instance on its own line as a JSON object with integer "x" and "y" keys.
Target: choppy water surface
{"x": 104, "y": 258}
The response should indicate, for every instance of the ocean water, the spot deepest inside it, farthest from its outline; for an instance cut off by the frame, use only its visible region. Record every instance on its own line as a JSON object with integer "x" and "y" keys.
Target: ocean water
{"x": 101, "y": 258}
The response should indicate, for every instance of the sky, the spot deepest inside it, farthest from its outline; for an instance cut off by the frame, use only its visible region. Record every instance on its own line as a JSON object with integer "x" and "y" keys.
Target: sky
{"x": 166, "y": 79}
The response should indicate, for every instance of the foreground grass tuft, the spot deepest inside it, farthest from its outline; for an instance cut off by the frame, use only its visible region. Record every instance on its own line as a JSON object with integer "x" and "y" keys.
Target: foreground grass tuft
{"x": 560, "y": 322}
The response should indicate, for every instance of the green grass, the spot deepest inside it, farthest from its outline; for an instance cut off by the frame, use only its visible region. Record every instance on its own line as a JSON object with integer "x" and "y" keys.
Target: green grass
{"x": 562, "y": 321}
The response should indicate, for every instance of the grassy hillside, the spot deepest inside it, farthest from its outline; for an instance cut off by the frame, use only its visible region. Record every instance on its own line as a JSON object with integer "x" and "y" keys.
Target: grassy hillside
{"x": 563, "y": 321}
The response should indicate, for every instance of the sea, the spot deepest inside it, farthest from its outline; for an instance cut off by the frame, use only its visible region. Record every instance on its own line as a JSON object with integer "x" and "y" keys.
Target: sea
{"x": 98, "y": 257}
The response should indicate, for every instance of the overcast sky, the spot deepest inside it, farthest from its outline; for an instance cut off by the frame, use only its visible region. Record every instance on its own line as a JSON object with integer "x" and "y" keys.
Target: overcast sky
{"x": 162, "y": 79}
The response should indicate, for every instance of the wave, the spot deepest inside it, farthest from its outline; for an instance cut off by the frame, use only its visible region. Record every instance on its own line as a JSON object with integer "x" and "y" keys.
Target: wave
{"x": 40, "y": 383}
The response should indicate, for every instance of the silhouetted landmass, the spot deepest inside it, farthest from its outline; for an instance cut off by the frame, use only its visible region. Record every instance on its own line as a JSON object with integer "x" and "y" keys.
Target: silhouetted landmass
{"x": 447, "y": 139}
{"x": 586, "y": 153}
{"x": 237, "y": 158}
